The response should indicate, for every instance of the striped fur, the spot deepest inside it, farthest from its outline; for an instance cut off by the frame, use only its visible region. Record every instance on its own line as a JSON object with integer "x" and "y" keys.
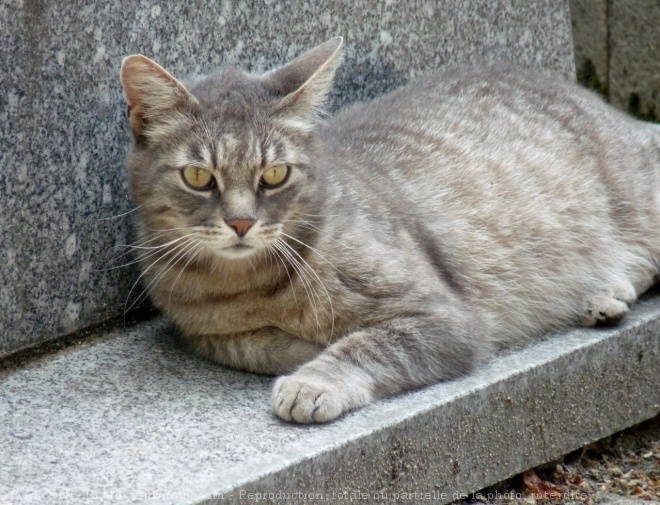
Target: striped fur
{"x": 475, "y": 208}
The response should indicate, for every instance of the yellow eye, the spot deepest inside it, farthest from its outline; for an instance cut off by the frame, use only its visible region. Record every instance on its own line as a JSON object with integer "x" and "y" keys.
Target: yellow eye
{"x": 198, "y": 178}
{"x": 274, "y": 176}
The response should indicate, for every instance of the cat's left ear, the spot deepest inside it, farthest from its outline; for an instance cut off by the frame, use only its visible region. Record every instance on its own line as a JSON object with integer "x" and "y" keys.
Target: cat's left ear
{"x": 153, "y": 96}
{"x": 306, "y": 81}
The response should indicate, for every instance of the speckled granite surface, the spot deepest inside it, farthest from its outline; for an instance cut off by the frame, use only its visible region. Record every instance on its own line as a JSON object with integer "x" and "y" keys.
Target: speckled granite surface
{"x": 135, "y": 420}
{"x": 63, "y": 137}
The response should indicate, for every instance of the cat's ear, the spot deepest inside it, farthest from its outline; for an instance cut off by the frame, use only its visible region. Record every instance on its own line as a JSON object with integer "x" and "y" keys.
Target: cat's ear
{"x": 306, "y": 81}
{"x": 152, "y": 95}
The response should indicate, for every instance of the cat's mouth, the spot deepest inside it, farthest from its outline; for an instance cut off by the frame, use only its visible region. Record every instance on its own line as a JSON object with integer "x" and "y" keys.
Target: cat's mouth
{"x": 237, "y": 251}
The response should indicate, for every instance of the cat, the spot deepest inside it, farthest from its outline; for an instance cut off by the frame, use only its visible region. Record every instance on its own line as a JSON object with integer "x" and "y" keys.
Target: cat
{"x": 395, "y": 245}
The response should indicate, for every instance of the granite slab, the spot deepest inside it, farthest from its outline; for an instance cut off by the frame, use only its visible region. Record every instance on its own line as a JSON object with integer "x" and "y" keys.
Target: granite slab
{"x": 133, "y": 419}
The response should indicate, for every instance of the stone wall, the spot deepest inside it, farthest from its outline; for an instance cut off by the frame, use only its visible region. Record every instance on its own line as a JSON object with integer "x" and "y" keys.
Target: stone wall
{"x": 617, "y": 43}
{"x": 63, "y": 136}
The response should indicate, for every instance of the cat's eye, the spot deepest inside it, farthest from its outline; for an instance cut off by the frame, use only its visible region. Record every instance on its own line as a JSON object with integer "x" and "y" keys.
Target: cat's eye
{"x": 198, "y": 178}
{"x": 274, "y": 176}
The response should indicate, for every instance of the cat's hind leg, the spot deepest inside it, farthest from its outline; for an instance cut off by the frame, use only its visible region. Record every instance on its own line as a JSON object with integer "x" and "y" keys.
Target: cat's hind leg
{"x": 612, "y": 305}
{"x": 644, "y": 278}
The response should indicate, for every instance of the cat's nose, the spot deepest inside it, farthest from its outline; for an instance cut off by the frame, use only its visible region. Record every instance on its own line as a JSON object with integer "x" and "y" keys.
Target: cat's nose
{"x": 241, "y": 226}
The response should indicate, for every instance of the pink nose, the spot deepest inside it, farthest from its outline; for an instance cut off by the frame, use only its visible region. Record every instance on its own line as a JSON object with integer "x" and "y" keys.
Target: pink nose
{"x": 241, "y": 226}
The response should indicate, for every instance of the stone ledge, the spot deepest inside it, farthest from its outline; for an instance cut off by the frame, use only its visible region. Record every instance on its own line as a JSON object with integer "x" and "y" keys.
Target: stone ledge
{"x": 134, "y": 419}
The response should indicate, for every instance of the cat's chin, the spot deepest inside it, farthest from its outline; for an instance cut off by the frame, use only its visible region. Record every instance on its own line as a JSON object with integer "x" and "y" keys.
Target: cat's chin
{"x": 237, "y": 251}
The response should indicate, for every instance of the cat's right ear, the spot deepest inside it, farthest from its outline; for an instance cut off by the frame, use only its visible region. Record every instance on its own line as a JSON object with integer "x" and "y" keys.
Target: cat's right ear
{"x": 305, "y": 82}
{"x": 152, "y": 95}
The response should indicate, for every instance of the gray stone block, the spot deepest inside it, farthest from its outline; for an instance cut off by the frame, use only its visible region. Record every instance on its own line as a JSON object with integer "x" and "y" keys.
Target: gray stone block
{"x": 63, "y": 136}
{"x": 634, "y": 65}
{"x": 590, "y": 32}
{"x": 616, "y": 47}
{"x": 133, "y": 419}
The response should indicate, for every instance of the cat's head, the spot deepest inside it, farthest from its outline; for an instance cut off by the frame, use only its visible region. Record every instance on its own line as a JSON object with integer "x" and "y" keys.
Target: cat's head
{"x": 226, "y": 162}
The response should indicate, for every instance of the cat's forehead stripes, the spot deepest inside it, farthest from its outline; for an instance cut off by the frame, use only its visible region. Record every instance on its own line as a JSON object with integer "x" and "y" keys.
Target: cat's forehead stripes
{"x": 271, "y": 153}
{"x": 284, "y": 150}
{"x": 228, "y": 142}
{"x": 238, "y": 151}
{"x": 206, "y": 155}
{"x": 195, "y": 153}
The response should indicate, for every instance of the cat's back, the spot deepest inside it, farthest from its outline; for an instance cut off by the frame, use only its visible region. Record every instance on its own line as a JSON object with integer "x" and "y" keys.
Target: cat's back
{"x": 470, "y": 131}
{"x": 482, "y": 103}
{"x": 530, "y": 185}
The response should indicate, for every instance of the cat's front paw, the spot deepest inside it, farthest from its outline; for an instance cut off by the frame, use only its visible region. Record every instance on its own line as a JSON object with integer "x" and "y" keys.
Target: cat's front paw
{"x": 302, "y": 398}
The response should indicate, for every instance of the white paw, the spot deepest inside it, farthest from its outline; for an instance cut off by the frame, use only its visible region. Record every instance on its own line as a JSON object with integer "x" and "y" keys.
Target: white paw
{"x": 305, "y": 400}
{"x": 301, "y": 398}
{"x": 605, "y": 310}
{"x": 624, "y": 291}
{"x": 612, "y": 306}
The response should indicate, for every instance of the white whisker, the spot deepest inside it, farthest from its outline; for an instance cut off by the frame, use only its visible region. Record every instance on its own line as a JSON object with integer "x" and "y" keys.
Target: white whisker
{"x": 118, "y": 215}
{"x": 314, "y": 250}
{"x": 272, "y": 251}
{"x": 143, "y": 256}
{"x": 171, "y": 263}
{"x": 178, "y": 246}
{"x": 316, "y": 277}
{"x": 141, "y": 242}
{"x": 305, "y": 225}
{"x": 194, "y": 252}
{"x": 312, "y": 295}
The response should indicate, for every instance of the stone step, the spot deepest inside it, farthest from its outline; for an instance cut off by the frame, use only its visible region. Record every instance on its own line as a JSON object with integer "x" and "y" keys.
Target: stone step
{"x": 132, "y": 418}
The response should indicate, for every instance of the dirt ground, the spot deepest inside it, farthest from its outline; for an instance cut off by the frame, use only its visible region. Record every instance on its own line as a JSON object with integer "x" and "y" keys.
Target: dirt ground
{"x": 626, "y": 464}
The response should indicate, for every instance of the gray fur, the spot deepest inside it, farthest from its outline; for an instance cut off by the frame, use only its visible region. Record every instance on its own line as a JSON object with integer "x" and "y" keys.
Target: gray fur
{"x": 416, "y": 233}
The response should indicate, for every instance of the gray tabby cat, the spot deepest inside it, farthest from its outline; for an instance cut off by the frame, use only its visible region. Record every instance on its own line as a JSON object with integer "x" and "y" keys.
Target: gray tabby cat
{"x": 395, "y": 245}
